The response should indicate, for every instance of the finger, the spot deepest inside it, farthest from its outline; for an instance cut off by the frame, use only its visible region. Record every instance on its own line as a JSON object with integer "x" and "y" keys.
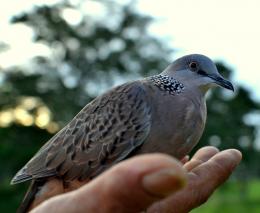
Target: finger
{"x": 219, "y": 167}
{"x": 201, "y": 156}
{"x": 185, "y": 159}
{"x": 211, "y": 174}
{"x": 202, "y": 182}
{"x": 130, "y": 186}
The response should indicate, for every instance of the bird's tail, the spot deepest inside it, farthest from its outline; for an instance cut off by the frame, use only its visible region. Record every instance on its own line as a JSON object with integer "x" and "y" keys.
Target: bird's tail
{"x": 30, "y": 195}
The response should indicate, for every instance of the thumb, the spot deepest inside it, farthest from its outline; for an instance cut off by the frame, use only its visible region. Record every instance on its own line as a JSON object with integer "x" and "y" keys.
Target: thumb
{"x": 130, "y": 186}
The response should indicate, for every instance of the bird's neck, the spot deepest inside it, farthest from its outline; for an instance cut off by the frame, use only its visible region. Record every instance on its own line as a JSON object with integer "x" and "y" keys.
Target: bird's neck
{"x": 190, "y": 83}
{"x": 190, "y": 80}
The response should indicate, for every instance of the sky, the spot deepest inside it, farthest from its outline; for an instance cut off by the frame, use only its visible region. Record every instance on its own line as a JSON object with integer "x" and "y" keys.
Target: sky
{"x": 225, "y": 30}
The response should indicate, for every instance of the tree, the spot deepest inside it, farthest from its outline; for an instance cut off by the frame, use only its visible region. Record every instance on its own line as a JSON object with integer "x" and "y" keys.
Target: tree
{"x": 86, "y": 58}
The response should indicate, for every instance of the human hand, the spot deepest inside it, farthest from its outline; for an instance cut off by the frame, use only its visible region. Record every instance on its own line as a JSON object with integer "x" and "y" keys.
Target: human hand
{"x": 206, "y": 171}
{"x": 150, "y": 182}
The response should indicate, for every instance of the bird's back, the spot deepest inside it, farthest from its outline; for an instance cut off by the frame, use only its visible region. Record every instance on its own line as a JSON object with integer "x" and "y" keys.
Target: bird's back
{"x": 105, "y": 132}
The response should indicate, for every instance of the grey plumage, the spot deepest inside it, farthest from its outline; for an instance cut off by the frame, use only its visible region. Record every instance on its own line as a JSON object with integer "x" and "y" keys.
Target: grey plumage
{"x": 103, "y": 133}
{"x": 163, "y": 113}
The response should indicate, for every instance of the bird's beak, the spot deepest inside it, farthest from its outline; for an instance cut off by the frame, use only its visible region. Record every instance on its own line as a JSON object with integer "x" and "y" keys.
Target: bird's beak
{"x": 222, "y": 82}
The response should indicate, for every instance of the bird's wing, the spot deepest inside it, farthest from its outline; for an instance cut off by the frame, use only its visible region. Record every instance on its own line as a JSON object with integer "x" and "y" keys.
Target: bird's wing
{"x": 103, "y": 133}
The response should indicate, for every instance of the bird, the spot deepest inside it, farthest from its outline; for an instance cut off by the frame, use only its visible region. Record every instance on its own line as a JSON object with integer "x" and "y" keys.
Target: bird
{"x": 161, "y": 113}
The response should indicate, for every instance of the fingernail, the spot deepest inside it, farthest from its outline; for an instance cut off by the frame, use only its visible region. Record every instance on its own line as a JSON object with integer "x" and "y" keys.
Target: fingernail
{"x": 164, "y": 182}
{"x": 237, "y": 156}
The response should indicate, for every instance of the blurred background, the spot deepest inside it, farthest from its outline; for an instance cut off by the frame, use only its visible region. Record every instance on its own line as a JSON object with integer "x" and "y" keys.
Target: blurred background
{"x": 56, "y": 56}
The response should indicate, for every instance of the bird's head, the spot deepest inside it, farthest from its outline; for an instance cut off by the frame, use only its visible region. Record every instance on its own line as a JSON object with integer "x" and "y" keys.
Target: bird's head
{"x": 197, "y": 71}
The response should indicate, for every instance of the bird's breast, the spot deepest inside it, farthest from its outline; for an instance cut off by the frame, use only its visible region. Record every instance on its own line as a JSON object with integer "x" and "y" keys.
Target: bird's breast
{"x": 177, "y": 125}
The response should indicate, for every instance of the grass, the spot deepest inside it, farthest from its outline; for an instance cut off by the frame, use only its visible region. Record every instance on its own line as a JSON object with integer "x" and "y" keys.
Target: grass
{"x": 236, "y": 197}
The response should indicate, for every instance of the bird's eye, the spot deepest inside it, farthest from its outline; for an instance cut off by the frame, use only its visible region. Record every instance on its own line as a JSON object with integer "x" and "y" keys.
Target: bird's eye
{"x": 193, "y": 66}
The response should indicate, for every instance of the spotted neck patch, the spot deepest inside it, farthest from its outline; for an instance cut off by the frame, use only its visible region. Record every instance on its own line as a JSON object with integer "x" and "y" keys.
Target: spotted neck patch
{"x": 168, "y": 84}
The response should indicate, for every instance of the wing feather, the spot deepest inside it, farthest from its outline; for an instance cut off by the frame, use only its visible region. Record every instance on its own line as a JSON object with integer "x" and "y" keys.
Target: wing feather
{"x": 103, "y": 133}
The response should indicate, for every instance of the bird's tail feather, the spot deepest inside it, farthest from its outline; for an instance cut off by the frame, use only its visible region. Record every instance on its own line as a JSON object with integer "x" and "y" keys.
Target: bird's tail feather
{"x": 30, "y": 195}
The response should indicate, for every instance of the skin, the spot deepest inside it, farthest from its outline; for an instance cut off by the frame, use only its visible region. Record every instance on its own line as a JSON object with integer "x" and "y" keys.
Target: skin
{"x": 159, "y": 183}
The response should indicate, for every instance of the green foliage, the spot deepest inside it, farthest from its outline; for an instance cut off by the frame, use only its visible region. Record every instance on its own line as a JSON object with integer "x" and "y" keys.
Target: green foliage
{"x": 92, "y": 53}
{"x": 17, "y": 145}
{"x": 230, "y": 198}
